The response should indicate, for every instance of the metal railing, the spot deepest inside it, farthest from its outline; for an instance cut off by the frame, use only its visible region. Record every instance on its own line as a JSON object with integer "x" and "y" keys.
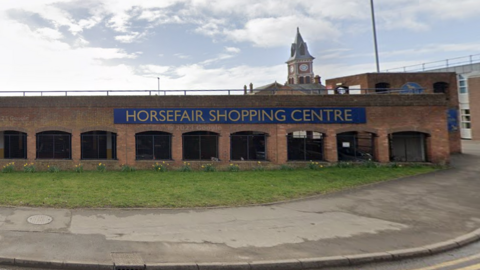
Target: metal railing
{"x": 72, "y": 93}
{"x": 452, "y": 62}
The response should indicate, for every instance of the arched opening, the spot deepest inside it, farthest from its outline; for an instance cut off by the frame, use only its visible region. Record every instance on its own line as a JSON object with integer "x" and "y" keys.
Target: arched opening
{"x": 13, "y": 144}
{"x": 200, "y": 145}
{"x": 305, "y": 145}
{"x": 248, "y": 145}
{"x": 54, "y": 145}
{"x": 408, "y": 147}
{"x": 154, "y": 145}
{"x": 301, "y": 79}
{"x": 355, "y": 146}
{"x": 302, "y": 49}
{"x": 308, "y": 79}
{"x": 382, "y": 87}
{"x": 440, "y": 87}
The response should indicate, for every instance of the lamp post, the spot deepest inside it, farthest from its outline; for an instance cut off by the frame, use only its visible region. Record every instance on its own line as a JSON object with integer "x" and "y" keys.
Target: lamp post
{"x": 375, "y": 36}
{"x": 158, "y": 78}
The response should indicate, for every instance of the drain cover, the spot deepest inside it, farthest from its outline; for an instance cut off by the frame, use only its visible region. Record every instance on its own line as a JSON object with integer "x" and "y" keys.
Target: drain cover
{"x": 39, "y": 219}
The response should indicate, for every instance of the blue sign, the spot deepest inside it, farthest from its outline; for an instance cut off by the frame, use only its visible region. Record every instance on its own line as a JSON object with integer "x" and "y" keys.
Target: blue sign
{"x": 411, "y": 88}
{"x": 452, "y": 119}
{"x": 240, "y": 116}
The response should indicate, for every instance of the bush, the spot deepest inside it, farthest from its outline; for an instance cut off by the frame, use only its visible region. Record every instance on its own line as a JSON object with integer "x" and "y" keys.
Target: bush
{"x": 78, "y": 168}
{"x": 126, "y": 168}
{"x": 29, "y": 168}
{"x": 101, "y": 167}
{"x": 10, "y": 167}
{"x": 209, "y": 168}
{"x": 53, "y": 169}
{"x": 233, "y": 168}
{"x": 185, "y": 167}
{"x": 286, "y": 168}
{"x": 160, "y": 167}
{"x": 314, "y": 165}
{"x": 342, "y": 164}
{"x": 259, "y": 167}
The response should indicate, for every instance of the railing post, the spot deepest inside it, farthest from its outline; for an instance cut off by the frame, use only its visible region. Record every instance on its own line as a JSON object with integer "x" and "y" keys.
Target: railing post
{"x": 185, "y": 92}
{"x": 446, "y": 61}
{"x": 229, "y": 92}
{"x": 107, "y": 93}
{"x": 66, "y": 93}
{"x": 23, "y": 93}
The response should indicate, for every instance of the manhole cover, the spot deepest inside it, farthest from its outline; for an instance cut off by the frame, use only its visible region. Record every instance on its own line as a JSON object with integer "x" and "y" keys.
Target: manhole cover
{"x": 39, "y": 219}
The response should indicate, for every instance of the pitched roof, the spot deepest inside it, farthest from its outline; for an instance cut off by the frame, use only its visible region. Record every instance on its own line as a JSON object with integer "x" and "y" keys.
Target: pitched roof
{"x": 299, "y": 49}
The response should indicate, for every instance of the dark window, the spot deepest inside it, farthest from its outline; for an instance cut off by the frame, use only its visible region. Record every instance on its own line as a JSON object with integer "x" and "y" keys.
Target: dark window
{"x": 305, "y": 145}
{"x": 292, "y": 51}
{"x": 99, "y": 145}
{"x": 408, "y": 147}
{"x": 200, "y": 145}
{"x": 153, "y": 145}
{"x": 248, "y": 145}
{"x": 440, "y": 87}
{"x": 382, "y": 87}
{"x": 54, "y": 145}
{"x": 301, "y": 80}
{"x": 15, "y": 144}
{"x": 355, "y": 146}
{"x": 308, "y": 80}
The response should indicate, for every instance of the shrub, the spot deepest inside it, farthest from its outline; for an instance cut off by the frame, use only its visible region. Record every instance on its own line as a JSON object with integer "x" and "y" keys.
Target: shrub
{"x": 10, "y": 167}
{"x": 314, "y": 165}
{"x": 126, "y": 168}
{"x": 259, "y": 167}
{"x": 185, "y": 167}
{"x": 209, "y": 168}
{"x": 370, "y": 164}
{"x": 78, "y": 168}
{"x": 233, "y": 168}
{"x": 286, "y": 168}
{"x": 160, "y": 167}
{"x": 29, "y": 168}
{"x": 53, "y": 169}
{"x": 101, "y": 167}
{"x": 343, "y": 164}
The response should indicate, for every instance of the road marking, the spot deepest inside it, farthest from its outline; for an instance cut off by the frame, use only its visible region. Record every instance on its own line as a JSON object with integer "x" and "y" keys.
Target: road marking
{"x": 471, "y": 267}
{"x": 450, "y": 263}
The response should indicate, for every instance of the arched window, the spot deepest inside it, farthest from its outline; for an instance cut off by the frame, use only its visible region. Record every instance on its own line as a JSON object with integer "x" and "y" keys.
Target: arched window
{"x": 382, "y": 87}
{"x": 408, "y": 147}
{"x": 14, "y": 144}
{"x": 98, "y": 145}
{"x": 200, "y": 145}
{"x": 302, "y": 49}
{"x": 355, "y": 146}
{"x": 440, "y": 87}
{"x": 308, "y": 80}
{"x": 301, "y": 79}
{"x": 248, "y": 145}
{"x": 153, "y": 145}
{"x": 305, "y": 145}
{"x": 54, "y": 145}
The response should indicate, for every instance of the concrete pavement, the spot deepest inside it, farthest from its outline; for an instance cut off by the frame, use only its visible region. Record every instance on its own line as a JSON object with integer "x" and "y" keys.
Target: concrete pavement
{"x": 410, "y": 216}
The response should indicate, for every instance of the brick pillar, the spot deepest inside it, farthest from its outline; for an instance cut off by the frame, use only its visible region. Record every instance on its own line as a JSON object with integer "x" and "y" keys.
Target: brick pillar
{"x": 130, "y": 145}
{"x": 121, "y": 144}
{"x": 224, "y": 146}
{"x": 330, "y": 147}
{"x": 177, "y": 146}
{"x": 382, "y": 151}
{"x": 76, "y": 146}
{"x": 277, "y": 146}
{"x": 31, "y": 146}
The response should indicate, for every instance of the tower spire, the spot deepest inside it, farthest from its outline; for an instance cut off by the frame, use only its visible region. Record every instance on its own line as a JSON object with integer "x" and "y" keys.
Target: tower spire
{"x": 300, "y": 62}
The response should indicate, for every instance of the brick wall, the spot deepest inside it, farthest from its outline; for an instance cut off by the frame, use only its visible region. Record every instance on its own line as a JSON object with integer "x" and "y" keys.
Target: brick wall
{"x": 385, "y": 114}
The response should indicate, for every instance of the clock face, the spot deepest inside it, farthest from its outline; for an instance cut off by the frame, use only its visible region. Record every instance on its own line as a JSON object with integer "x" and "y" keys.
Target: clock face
{"x": 303, "y": 67}
{"x": 291, "y": 69}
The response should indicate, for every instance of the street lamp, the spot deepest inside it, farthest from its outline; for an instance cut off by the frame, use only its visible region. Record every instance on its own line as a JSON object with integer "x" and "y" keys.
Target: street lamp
{"x": 158, "y": 78}
{"x": 375, "y": 36}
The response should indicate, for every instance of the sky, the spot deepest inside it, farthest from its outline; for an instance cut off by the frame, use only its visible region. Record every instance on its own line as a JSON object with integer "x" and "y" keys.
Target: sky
{"x": 218, "y": 44}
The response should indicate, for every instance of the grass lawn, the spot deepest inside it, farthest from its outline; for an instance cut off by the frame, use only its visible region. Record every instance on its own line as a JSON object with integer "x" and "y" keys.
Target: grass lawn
{"x": 183, "y": 189}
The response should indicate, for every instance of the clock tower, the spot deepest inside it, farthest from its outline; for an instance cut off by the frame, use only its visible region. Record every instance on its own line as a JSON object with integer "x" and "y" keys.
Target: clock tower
{"x": 300, "y": 63}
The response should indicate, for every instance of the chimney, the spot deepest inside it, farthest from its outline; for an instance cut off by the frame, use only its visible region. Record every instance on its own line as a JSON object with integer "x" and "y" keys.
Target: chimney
{"x": 251, "y": 87}
{"x": 244, "y": 89}
{"x": 317, "y": 79}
